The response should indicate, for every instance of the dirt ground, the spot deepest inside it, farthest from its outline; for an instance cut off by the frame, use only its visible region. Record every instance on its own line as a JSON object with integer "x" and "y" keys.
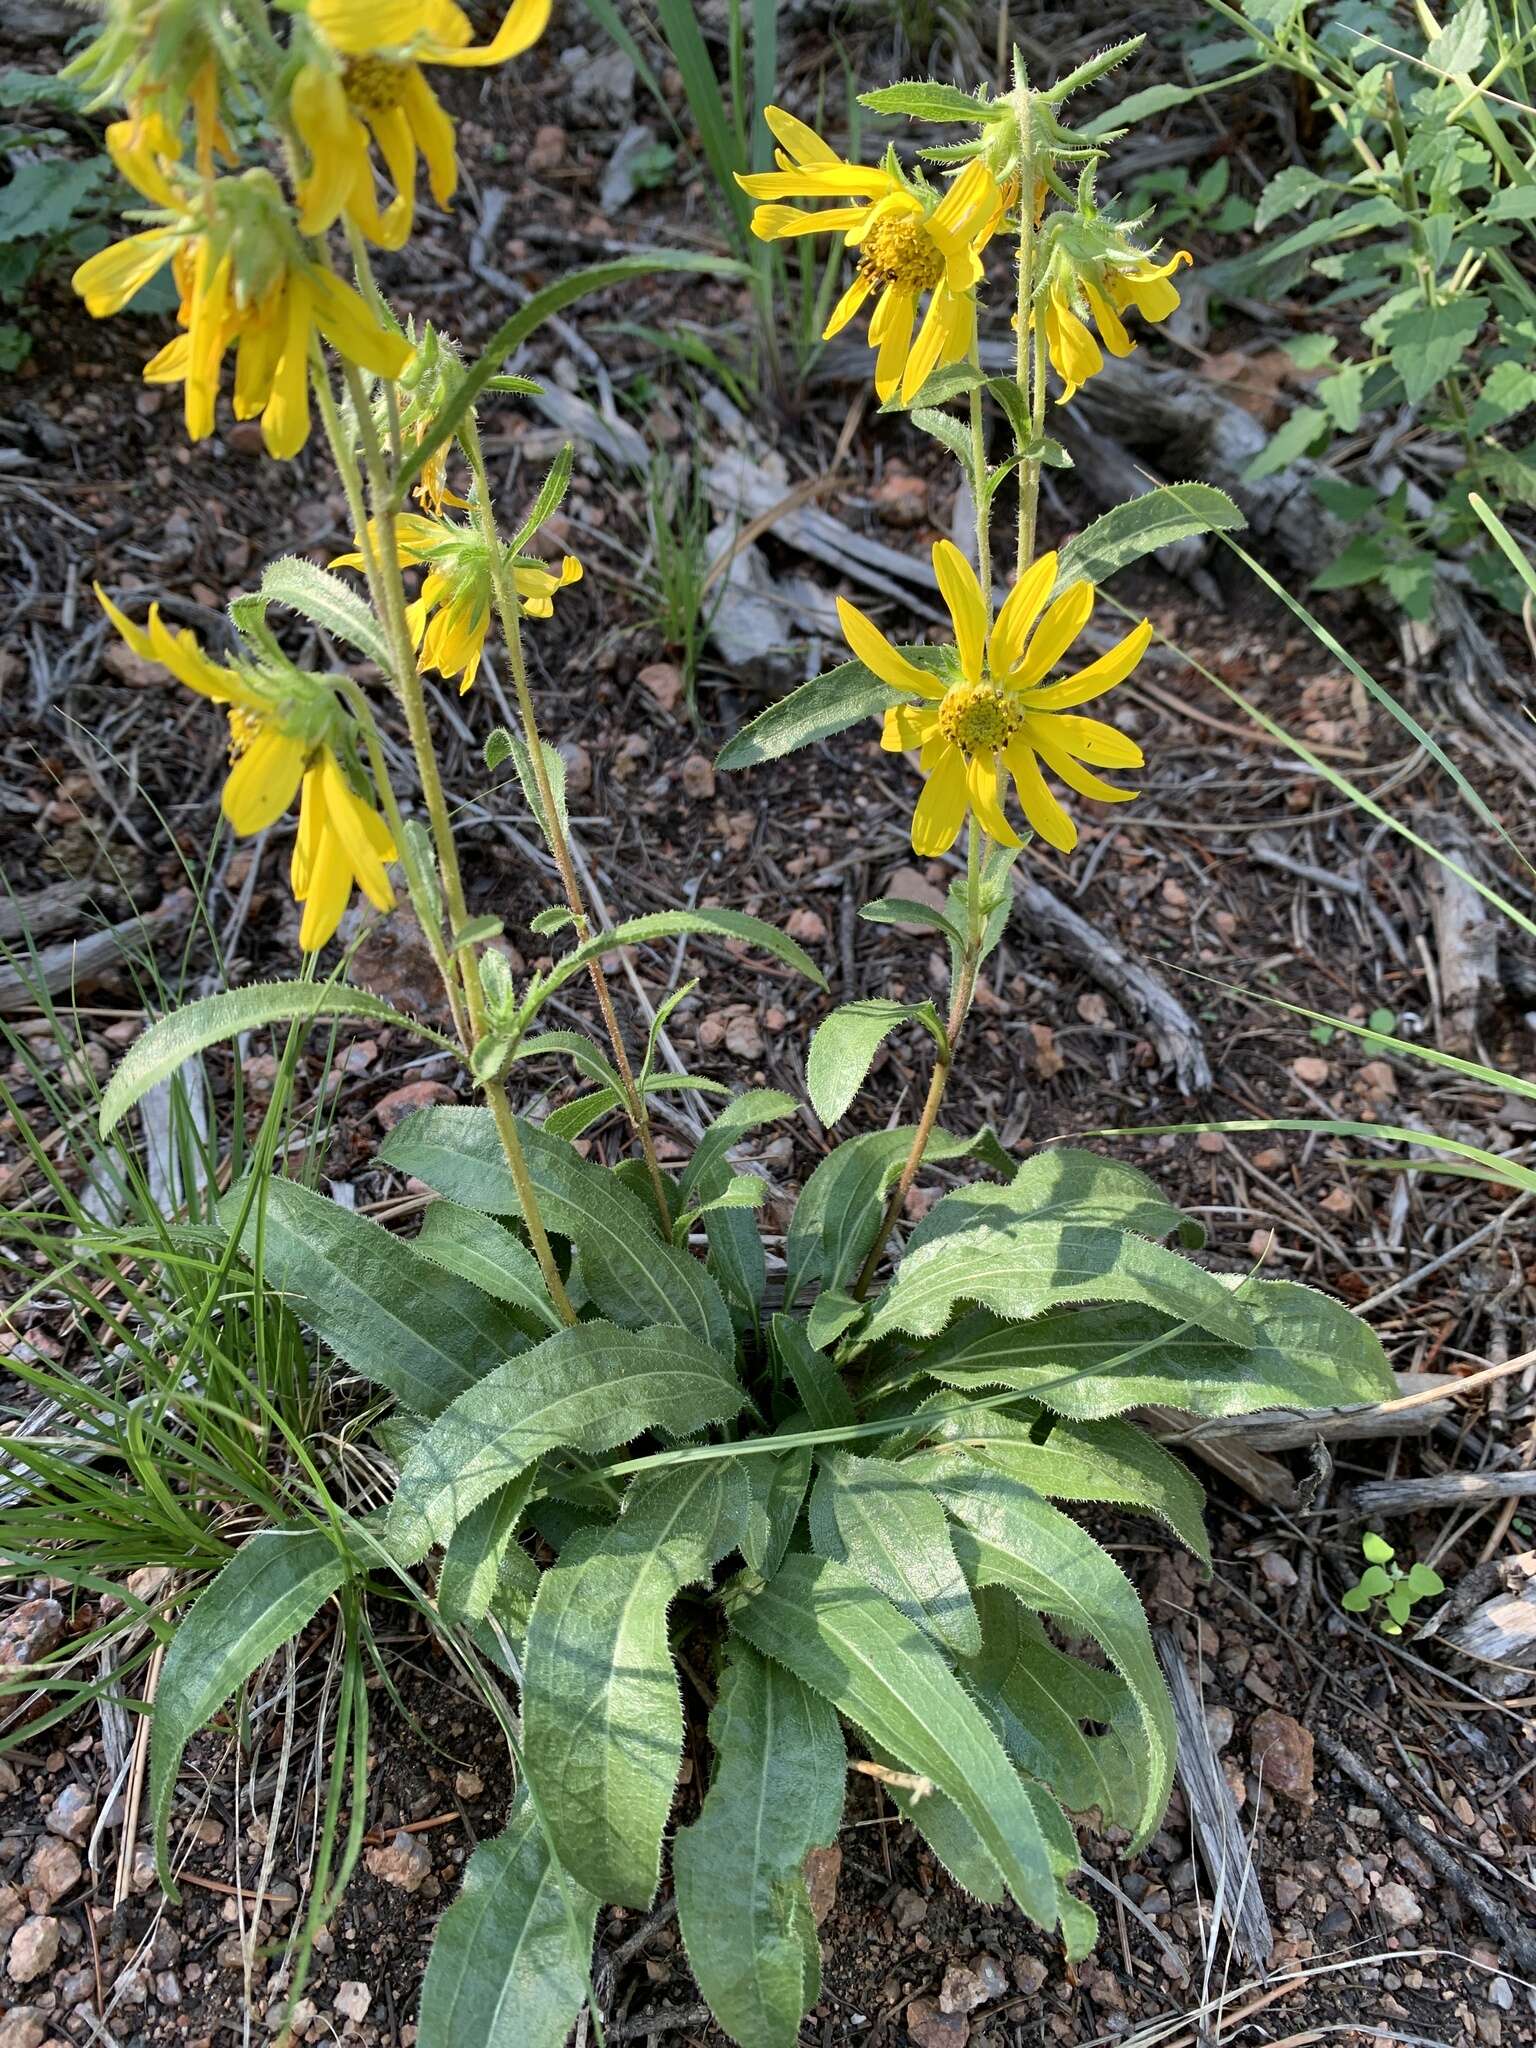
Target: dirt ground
{"x": 1237, "y": 867}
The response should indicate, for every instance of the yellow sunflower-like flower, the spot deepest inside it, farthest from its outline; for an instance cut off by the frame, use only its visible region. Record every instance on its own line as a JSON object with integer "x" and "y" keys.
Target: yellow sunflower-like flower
{"x": 246, "y": 282}
{"x": 907, "y": 243}
{"x": 280, "y": 746}
{"x": 452, "y": 615}
{"x": 990, "y": 712}
{"x": 362, "y": 87}
{"x": 1137, "y": 281}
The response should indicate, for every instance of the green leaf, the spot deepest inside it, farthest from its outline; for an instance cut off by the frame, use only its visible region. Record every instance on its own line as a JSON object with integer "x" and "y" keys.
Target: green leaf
{"x": 1156, "y": 519}
{"x": 1400, "y": 1604}
{"x": 1287, "y": 190}
{"x": 847, "y": 1642}
{"x": 554, "y": 769}
{"x": 1038, "y": 1698}
{"x": 921, "y": 100}
{"x": 1376, "y": 1548}
{"x": 632, "y": 1276}
{"x": 899, "y": 910}
{"x": 1426, "y": 343}
{"x": 775, "y": 1492}
{"x": 1020, "y": 1266}
{"x": 1101, "y": 1461}
{"x": 841, "y": 1204}
{"x": 844, "y": 1045}
{"x": 587, "y": 1388}
{"x": 551, "y": 494}
{"x": 1136, "y": 106}
{"x": 1309, "y": 1352}
{"x": 1374, "y": 1581}
{"x": 776, "y": 1792}
{"x": 508, "y": 1967}
{"x": 817, "y": 1381}
{"x": 734, "y": 925}
{"x": 709, "y": 1167}
{"x": 1343, "y": 393}
{"x": 1460, "y": 45}
{"x": 1293, "y": 439}
{"x": 827, "y": 704}
{"x": 44, "y": 197}
{"x": 949, "y": 432}
{"x": 1424, "y": 1582}
{"x": 270, "y": 1589}
{"x": 386, "y": 1310}
{"x": 602, "y": 1717}
{"x": 1361, "y": 561}
{"x": 325, "y": 600}
{"x": 1014, "y": 1539}
{"x": 1357, "y": 1599}
{"x": 514, "y": 331}
{"x": 883, "y": 1523}
{"x": 477, "y": 1550}
{"x": 831, "y": 1316}
{"x": 158, "y": 1051}
{"x": 1512, "y": 202}
{"x": 487, "y": 1255}
{"x": 497, "y": 748}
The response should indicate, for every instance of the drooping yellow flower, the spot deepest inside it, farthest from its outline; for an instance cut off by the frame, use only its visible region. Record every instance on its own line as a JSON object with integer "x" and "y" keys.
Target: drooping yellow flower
{"x": 451, "y": 617}
{"x": 160, "y": 58}
{"x": 908, "y": 243}
{"x": 246, "y": 282}
{"x": 991, "y": 712}
{"x": 362, "y": 87}
{"x": 281, "y": 743}
{"x": 1137, "y": 281}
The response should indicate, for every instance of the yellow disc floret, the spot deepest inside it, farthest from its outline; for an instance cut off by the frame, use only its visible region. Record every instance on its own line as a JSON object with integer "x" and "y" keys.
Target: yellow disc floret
{"x": 374, "y": 85}
{"x": 900, "y": 251}
{"x": 979, "y": 717}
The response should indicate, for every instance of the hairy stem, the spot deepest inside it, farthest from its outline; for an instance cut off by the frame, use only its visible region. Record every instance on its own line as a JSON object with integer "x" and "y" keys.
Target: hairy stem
{"x": 1029, "y": 365}
{"x": 944, "y": 1061}
{"x": 509, "y": 613}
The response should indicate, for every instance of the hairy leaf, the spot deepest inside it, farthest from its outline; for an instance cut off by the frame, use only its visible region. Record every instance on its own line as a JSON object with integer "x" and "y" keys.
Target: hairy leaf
{"x": 269, "y": 1590}
{"x": 776, "y": 1792}
{"x": 602, "y": 1719}
{"x": 587, "y": 1388}
{"x": 477, "y": 1551}
{"x": 388, "y": 1312}
{"x": 487, "y": 1255}
{"x": 827, "y": 704}
{"x": 508, "y": 1967}
{"x": 157, "y": 1052}
{"x": 1310, "y": 1352}
{"x": 734, "y": 925}
{"x": 775, "y": 1492}
{"x": 844, "y": 1044}
{"x": 881, "y": 1521}
{"x": 1156, "y": 519}
{"x": 847, "y": 1642}
{"x": 631, "y": 1275}
{"x": 825, "y": 1399}
{"x": 321, "y": 598}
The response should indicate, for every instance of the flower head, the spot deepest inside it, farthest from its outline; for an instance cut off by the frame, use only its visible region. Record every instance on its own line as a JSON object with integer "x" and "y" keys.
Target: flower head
{"x": 361, "y": 87}
{"x": 452, "y": 615}
{"x": 162, "y": 58}
{"x": 1076, "y": 292}
{"x": 988, "y": 710}
{"x": 286, "y": 736}
{"x": 908, "y": 242}
{"x": 246, "y": 283}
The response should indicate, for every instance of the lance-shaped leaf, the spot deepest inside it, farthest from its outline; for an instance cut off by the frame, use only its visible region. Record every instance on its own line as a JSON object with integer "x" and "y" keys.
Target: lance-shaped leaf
{"x": 880, "y": 1520}
{"x": 392, "y": 1315}
{"x": 735, "y": 1241}
{"x": 775, "y": 1493}
{"x": 269, "y": 1590}
{"x": 734, "y": 925}
{"x": 587, "y": 1388}
{"x": 844, "y": 1044}
{"x": 1108, "y": 1461}
{"x": 827, "y": 1402}
{"x": 1019, "y": 1266}
{"x": 827, "y": 704}
{"x": 1037, "y": 1697}
{"x": 847, "y": 1642}
{"x": 1309, "y": 1352}
{"x": 321, "y": 598}
{"x": 1065, "y": 1181}
{"x": 840, "y": 1205}
{"x": 602, "y": 1719}
{"x": 630, "y": 1274}
{"x": 1156, "y": 519}
{"x": 509, "y": 1959}
{"x": 478, "y": 1551}
{"x": 157, "y": 1052}
{"x": 775, "y": 1793}
{"x": 1012, "y": 1538}
{"x": 487, "y": 1255}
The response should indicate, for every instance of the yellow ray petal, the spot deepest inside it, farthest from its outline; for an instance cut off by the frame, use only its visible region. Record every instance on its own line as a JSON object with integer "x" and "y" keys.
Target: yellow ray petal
{"x": 848, "y": 305}
{"x": 926, "y": 350}
{"x": 967, "y": 607}
{"x": 871, "y": 647}
{"x": 1055, "y": 633}
{"x": 343, "y": 809}
{"x": 325, "y": 901}
{"x": 1035, "y": 799}
{"x": 1089, "y": 739}
{"x": 343, "y": 317}
{"x": 894, "y": 316}
{"x": 110, "y": 278}
{"x": 261, "y": 785}
{"x": 433, "y": 129}
{"x": 1020, "y": 609}
{"x": 1076, "y": 776}
{"x": 1101, "y": 675}
{"x": 981, "y": 783}
{"x": 1108, "y": 322}
{"x": 802, "y": 143}
{"x": 777, "y": 223}
{"x": 522, "y": 25}
{"x": 942, "y": 806}
{"x": 906, "y": 726}
{"x": 285, "y": 416}
{"x": 306, "y": 841}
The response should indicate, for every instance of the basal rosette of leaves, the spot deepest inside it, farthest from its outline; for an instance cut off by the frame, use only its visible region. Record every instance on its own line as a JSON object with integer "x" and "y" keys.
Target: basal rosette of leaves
{"x": 849, "y": 1491}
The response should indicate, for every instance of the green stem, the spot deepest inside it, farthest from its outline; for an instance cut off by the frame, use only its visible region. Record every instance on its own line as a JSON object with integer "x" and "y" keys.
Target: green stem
{"x": 944, "y": 1061}
{"x": 979, "y": 481}
{"x": 1029, "y": 367}
{"x": 509, "y": 613}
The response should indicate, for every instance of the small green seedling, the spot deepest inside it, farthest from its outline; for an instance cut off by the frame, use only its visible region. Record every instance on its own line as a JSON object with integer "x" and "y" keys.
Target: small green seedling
{"x": 1385, "y": 1580}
